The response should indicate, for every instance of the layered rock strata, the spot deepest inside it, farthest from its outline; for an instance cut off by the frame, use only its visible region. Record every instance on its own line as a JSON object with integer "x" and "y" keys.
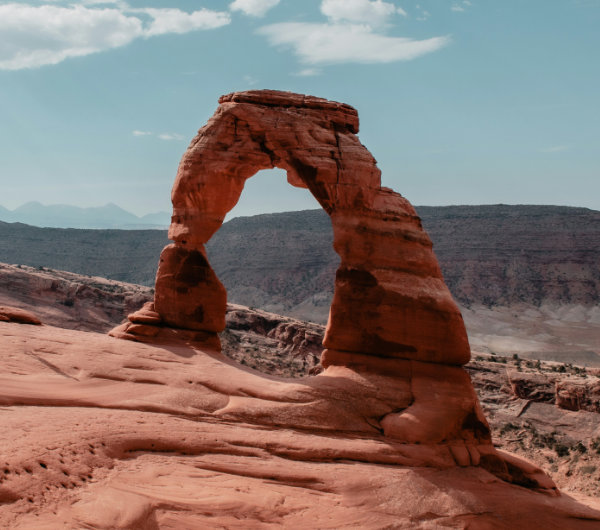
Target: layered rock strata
{"x": 393, "y": 323}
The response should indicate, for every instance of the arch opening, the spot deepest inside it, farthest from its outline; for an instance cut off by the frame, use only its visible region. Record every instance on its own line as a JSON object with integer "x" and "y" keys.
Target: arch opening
{"x": 268, "y": 191}
{"x": 276, "y": 263}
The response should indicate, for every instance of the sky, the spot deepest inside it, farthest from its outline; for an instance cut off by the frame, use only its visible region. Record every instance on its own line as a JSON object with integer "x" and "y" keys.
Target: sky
{"x": 460, "y": 102}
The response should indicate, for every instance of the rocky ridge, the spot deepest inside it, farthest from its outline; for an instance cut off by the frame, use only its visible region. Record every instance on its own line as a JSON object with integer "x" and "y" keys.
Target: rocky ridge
{"x": 70, "y": 300}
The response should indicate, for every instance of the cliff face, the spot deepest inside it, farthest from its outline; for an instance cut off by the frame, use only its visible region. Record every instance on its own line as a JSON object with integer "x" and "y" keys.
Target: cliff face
{"x": 277, "y": 261}
{"x": 489, "y": 255}
{"x": 502, "y": 255}
{"x": 122, "y": 255}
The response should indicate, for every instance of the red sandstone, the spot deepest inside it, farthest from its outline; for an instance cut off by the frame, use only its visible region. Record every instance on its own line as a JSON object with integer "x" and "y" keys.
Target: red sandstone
{"x": 390, "y": 300}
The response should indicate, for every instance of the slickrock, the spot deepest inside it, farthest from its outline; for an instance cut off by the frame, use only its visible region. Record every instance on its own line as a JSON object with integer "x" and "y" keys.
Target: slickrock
{"x": 13, "y": 314}
{"x": 393, "y": 326}
{"x": 110, "y": 434}
{"x": 517, "y": 400}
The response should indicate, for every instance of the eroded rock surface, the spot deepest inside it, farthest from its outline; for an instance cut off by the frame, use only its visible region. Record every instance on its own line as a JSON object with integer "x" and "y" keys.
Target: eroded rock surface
{"x": 519, "y": 404}
{"x": 21, "y": 316}
{"x": 108, "y": 434}
{"x": 69, "y": 300}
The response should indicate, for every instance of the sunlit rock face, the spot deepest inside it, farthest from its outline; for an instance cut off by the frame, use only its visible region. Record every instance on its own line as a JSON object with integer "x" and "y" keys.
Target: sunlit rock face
{"x": 391, "y": 314}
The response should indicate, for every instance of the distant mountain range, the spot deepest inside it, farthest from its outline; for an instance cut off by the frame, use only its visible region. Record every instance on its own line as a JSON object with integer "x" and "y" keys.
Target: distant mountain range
{"x": 67, "y": 216}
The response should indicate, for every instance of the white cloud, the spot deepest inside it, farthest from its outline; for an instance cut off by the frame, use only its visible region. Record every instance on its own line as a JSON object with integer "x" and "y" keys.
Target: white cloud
{"x": 458, "y": 8}
{"x": 254, "y": 8}
{"x": 372, "y": 12}
{"x": 555, "y": 149}
{"x": 346, "y": 43}
{"x": 33, "y": 36}
{"x": 141, "y": 133}
{"x": 177, "y": 21}
{"x": 171, "y": 136}
{"x": 250, "y": 80}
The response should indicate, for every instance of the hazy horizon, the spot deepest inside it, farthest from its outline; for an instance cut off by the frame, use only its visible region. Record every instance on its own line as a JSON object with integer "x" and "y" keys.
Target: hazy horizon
{"x": 242, "y": 212}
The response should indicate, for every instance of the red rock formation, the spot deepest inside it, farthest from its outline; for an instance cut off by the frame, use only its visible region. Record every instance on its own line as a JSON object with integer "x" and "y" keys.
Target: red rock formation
{"x": 391, "y": 314}
{"x": 13, "y": 314}
{"x": 578, "y": 395}
{"x": 107, "y": 434}
{"x": 390, "y": 298}
{"x": 69, "y": 300}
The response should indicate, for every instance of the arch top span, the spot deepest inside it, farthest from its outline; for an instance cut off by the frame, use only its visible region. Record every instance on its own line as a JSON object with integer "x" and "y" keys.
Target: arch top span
{"x": 313, "y": 139}
{"x": 341, "y": 114}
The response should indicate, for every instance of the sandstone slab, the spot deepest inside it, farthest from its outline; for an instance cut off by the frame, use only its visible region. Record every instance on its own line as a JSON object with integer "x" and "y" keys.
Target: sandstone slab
{"x": 109, "y": 434}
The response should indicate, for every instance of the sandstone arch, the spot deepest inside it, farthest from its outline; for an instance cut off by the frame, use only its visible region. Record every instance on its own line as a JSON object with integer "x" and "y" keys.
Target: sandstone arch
{"x": 390, "y": 299}
{"x": 392, "y": 319}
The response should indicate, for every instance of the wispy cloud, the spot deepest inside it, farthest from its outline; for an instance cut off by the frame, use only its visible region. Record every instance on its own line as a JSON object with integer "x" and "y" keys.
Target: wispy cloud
{"x": 160, "y": 136}
{"x": 171, "y": 136}
{"x": 320, "y": 44}
{"x": 36, "y": 35}
{"x": 371, "y": 12}
{"x": 169, "y": 20}
{"x": 250, "y": 80}
{"x": 423, "y": 14}
{"x": 253, "y": 8}
{"x": 555, "y": 148}
{"x": 460, "y": 7}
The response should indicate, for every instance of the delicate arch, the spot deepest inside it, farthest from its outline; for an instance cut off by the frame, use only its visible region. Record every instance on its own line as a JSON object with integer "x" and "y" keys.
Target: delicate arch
{"x": 390, "y": 299}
